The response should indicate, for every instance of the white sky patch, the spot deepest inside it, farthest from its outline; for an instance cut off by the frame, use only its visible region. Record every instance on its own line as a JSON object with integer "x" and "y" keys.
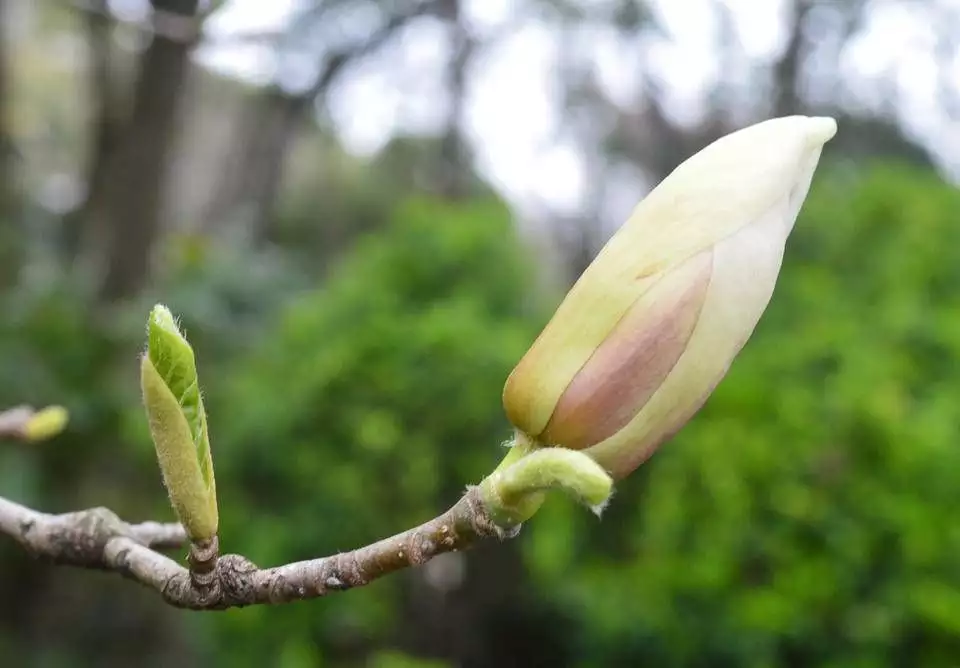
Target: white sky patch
{"x": 954, "y": 69}
{"x": 231, "y": 53}
{"x": 512, "y": 114}
{"x": 403, "y": 92}
{"x": 686, "y": 57}
{"x": 488, "y": 16}
{"x": 365, "y": 109}
{"x": 618, "y": 66}
{"x": 900, "y": 42}
{"x": 559, "y": 170}
{"x": 760, "y": 26}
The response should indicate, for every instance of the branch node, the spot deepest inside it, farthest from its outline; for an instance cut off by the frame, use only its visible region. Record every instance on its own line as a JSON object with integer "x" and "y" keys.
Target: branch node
{"x": 481, "y": 522}
{"x": 84, "y": 534}
{"x": 236, "y": 585}
{"x": 203, "y": 564}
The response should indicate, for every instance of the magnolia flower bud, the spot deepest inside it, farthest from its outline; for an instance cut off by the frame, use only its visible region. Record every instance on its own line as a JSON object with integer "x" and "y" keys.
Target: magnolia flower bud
{"x": 652, "y": 325}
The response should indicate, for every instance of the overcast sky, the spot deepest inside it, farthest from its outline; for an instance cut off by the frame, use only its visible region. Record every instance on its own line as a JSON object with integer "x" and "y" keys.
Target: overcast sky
{"x": 511, "y": 105}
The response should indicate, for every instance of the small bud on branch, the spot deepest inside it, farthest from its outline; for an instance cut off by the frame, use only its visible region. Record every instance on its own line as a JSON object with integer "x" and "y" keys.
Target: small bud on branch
{"x": 26, "y": 424}
{"x": 178, "y": 425}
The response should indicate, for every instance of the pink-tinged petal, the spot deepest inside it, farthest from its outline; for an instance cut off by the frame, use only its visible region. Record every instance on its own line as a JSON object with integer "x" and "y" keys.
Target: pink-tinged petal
{"x": 632, "y": 362}
{"x": 745, "y": 269}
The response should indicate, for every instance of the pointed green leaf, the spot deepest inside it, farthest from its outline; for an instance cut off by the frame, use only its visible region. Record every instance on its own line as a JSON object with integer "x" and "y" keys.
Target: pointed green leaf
{"x": 178, "y": 424}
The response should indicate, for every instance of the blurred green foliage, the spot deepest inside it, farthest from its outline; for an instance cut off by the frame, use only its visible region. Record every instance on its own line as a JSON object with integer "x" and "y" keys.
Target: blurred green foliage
{"x": 367, "y": 407}
{"x": 804, "y": 518}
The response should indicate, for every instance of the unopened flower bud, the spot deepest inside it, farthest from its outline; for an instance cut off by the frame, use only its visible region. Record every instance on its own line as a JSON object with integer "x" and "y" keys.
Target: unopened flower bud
{"x": 652, "y": 325}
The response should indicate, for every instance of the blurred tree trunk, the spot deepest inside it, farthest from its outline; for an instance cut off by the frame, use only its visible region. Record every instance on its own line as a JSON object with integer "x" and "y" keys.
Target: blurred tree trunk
{"x": 104, "y": 133}
{"x": 252, "y": 178}
{"x": 789, "y": 67}
{"x": 456, "y": 171}
{"x": 136, "y": 177}
{"x": 8, "y": 225}
{"x": 252, "y": 182}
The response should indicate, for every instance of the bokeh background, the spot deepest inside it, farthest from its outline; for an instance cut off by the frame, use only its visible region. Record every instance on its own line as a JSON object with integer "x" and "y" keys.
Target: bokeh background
{"x": 364, "y": 211}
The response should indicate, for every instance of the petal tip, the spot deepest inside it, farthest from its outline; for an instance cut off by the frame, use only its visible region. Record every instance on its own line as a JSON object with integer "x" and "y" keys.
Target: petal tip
{"x": 821, "y": 129}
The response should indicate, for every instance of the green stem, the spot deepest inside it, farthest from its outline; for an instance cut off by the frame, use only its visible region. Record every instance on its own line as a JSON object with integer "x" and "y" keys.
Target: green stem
{"x": 515, "y": 491}
{"x": 521, "y": 446}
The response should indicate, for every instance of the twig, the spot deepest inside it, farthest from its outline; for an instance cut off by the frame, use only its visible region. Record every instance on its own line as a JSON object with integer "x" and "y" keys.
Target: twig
{"x": 78, "y": 534}
{"x": 97, "y": 538}
{"x": 26, "y": 424}
{"x": 14, "y": 420}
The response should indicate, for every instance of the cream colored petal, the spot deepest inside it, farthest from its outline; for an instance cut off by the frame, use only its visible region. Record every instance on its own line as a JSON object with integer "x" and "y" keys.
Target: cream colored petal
{"x": 721, "y": 189}
{"x": 744, "y": 275}
{"x": 631, "y": 363}
{"x": 706, "y": 199}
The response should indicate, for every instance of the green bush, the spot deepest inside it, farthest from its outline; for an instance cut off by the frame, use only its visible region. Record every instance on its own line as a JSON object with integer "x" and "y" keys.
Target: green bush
{"x": 366, "y": 408}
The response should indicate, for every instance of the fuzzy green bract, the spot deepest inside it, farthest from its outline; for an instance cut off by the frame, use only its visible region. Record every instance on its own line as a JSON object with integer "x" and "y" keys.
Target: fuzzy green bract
{"x": 515, "y": 491}
{"x": 178, "y": 424}
{"x": 173, "y": 359}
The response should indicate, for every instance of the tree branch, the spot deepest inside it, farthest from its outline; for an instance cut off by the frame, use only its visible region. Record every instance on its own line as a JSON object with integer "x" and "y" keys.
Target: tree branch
{"x": 13, "y": 421}
{"x": 98, "y": 539}
{"x": 78, "y": 537}
{"x": 26, "y": 424}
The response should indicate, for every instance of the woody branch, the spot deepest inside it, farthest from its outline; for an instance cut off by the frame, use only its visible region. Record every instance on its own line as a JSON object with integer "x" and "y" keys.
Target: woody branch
{"x": 98, "y": 539}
